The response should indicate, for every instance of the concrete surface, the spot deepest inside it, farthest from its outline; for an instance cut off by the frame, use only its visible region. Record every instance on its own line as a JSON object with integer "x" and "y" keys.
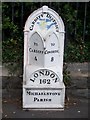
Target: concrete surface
{"x": 74, "y": 108}
{"x": 76, "y": 103}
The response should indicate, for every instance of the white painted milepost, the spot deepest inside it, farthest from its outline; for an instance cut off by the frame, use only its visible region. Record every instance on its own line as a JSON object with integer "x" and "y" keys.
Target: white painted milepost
{"x": 43, "y": 86}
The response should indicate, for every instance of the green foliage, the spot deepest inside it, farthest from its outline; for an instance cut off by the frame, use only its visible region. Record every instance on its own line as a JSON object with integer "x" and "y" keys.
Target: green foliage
{"x": 66, "y": 76}
{"x": 14, "y": 16}
{"x": 12, "y": 44}
{"x": 77, "y": 52}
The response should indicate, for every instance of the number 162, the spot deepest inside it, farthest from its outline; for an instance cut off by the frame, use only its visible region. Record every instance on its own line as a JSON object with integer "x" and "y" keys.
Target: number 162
{"x": 44, "y": 81}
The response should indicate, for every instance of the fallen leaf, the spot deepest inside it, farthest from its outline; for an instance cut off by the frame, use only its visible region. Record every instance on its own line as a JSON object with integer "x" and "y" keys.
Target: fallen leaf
{"x": 14, "y": 112}
{"x": 79, "y": 70}
{"x": 5, "y": 101}
{"x": 5, "y": 115}
{"x": 78, "y": 111}
{"x": 74, "y": 103}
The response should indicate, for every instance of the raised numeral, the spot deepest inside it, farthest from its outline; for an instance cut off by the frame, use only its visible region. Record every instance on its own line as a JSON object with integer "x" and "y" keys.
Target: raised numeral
{"x": 52, "y": 44}
{"x": 44, "y": 81}
{"x": 36, "y": 44}
{"x": 52, "y": 59}
{"x": 35, "y": 58}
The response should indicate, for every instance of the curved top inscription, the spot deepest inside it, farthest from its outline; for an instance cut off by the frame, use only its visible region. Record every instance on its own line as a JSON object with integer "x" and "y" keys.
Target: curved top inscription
{"x": 44, "y": 21}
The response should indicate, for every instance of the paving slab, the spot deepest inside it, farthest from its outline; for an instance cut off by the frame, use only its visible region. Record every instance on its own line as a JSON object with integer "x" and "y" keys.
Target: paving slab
{"x": 76, "y": 104}
{"x": 74, "y": 108}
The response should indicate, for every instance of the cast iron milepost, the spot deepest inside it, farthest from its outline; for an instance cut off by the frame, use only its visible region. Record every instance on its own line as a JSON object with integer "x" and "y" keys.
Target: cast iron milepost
{"x": 43, "y": 86}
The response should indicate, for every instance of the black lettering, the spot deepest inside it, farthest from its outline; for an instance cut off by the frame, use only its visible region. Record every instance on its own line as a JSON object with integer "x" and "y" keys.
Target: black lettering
{"x": 44, "y": 81}
{"x": 52, "y": 75}
{"x": 36, "y": 99}
{"x": 33, "y": 22}
{"x": 56, "y": 79}
{"x": 30, "y": 49}
{"x": 42, "y": 93}
{"x": 31, "y": 28}
{"x": 39, "y": 93}
{"x": 57, "y": 30}
{"x": 28, "y": 92}
{"x": 41, "y": 15}
{"x": 49, "y": 52}
{"x": 40, "y": 81}
{"x": 54, "y": 20}
{"x": 52, "y": 44}
{"x": 50, "y": 93}
{"x": 34, "y": 50}
{"x": 41, "y": 100}
{"x": 36, "y": 19}
{"x": 47, "y": 93}
{"x": 36, "y": 93}
{"x": 52, "y": 59}
{"x": 32, "y": 79}
{"x": 54, "y": 93}
{"x": 47, "y": 73}
{"x": 48, "y": 15}
{"x": 45, "y": 52}
{"x": 35, "y": 58}
{"x": 40, "y": 51}
{"x": 58, "y": 93}
{"x": 36, "y": 75}
{"x": 48, "y": 81}
{"x": 41, "y": 72}
{"x": 32, "y": 93}
{"x": 36, "y": 44}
